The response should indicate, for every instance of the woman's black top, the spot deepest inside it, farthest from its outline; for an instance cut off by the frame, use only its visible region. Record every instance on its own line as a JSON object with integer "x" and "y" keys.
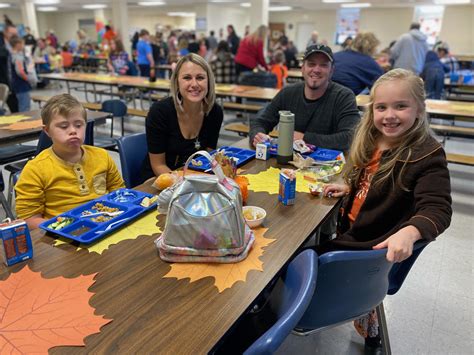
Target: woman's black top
{"x": 164, "y": 135}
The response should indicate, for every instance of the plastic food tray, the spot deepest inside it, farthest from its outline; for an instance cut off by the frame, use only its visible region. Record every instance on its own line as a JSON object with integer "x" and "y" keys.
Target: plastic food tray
{"x": 320, "y": 154}
{"x": 125, "y": 200}
{"x": 241, "y": 156}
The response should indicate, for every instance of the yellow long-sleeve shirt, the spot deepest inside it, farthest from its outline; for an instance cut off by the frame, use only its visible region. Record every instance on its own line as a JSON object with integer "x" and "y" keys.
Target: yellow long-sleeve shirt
{"x": 50, "y": 186}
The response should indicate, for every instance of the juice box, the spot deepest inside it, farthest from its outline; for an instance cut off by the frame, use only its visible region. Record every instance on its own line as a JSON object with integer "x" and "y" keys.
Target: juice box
{"x": 16, "y": 241}
{"x": 262, "y": 151}
{"x": 287, "y": 190}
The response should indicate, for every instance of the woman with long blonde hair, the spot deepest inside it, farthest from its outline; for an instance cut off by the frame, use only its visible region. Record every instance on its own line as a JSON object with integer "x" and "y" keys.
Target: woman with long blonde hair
{"x": 250, "y": 53}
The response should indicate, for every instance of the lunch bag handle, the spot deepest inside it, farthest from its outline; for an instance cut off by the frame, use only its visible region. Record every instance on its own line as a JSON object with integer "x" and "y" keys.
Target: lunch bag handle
{"x": 215, "y": 166}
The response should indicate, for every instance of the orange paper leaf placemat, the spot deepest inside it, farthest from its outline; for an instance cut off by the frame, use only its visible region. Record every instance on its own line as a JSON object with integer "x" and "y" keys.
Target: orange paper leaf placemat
{"x": 269, "y": 181}
{"x": 145, "y": 225}
{"x": 19, "y": 126}
{"x": 12, "y": 119}
{"x": 37, "y": 314}
{"x": 225, "y": 275}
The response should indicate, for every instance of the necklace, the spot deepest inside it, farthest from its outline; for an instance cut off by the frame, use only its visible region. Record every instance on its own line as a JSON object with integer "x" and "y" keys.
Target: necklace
{"x": 197, "y": 144}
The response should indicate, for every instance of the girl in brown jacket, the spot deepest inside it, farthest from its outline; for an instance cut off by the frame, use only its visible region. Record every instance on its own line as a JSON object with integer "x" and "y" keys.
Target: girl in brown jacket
{"x": 398, "y": 189}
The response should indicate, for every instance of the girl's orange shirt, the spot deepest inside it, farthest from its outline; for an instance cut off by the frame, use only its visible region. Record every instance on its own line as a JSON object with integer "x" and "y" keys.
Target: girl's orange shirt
{"x": 364, "y": 185}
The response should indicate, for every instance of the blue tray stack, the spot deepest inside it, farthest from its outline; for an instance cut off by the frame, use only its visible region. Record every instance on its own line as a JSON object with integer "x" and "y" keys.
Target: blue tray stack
{"x": 84, "y": 230}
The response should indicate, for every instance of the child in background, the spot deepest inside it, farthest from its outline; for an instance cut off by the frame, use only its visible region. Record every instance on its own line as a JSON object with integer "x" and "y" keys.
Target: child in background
{"x": 55, "y": 60}
{"x": 20, "y": 85}
{"x": 279, "y": 68}
{"x": 67, "y": 58}
{"x": 398, "y": 189}
{"x": 68, "y": 173}
{"x": 433, "y": 75}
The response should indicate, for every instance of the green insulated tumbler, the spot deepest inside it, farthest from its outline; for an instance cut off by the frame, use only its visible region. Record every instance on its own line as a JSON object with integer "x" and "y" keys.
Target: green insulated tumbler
{"x": 286, "y": 128}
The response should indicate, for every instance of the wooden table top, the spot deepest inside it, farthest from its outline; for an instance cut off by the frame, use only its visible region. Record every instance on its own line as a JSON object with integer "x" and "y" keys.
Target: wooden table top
{"x": 244, "y": 91}
{"x": 156, "y": 315}
{"x": 12, "y": 136}
{"x": 295, "y": 73}
{"x": 436, "y": 107}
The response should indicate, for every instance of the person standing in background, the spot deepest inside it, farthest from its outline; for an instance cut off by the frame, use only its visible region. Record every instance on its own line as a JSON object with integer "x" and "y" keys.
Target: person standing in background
{"x": 279, "y": 68}
{"x": 30, "y": 40}
{"x": 20, "y": 85}
{"x": 250, "y": 53}
{"x": 409, "y": 51}
{"x": 232, "y": 39}
{"x": 212, "y": 42}
{"x": 145, "y": 55}
{"x": 313, "y": 40}
{"x": 5, "y": 61}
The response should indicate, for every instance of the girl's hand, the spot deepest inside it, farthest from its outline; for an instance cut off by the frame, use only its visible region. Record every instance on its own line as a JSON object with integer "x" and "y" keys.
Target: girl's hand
{"x": 400, "y": 244}
{"x": 336, "y": 190}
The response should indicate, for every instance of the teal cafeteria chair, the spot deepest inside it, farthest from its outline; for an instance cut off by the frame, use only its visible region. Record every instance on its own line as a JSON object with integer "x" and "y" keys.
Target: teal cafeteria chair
{"x": 352, "y": 283}
{"x": 299, "y": 285}
{"x": 133, "y": 151}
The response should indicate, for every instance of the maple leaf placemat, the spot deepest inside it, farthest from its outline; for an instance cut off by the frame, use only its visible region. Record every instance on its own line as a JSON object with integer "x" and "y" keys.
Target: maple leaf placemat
{"x": 269, "y": 181}
{"x": 225, "y": 275}
{"x": 145, "y": 225}
{"x": 6, "y": 120}
{"x": 37, "y": 314}
{"x": 20, "y": 126}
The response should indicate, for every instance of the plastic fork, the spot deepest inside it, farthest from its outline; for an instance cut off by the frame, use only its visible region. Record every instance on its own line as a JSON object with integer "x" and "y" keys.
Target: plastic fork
{"x": 112, "y": 224}
{"x": 111, "y": 214}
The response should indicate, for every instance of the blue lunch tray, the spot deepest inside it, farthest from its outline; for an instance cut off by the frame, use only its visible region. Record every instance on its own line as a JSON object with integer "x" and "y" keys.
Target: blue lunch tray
{"x": 84, "y": 230}
{"x": 241, "y": 156}
{"x": 320, "y": 154}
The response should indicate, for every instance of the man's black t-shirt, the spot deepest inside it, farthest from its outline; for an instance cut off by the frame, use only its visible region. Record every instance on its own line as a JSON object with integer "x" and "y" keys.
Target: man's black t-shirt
{"x": 164, "y": 135}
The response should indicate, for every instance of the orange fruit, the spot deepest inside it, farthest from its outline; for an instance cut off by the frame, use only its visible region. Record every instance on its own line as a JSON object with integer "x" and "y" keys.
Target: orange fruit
{"x": 164, "y": 181}
{"x": 243, "y": 183}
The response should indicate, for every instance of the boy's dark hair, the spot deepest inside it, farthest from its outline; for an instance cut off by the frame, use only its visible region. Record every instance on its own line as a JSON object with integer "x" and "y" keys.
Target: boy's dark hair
{"x": 415, "y": 26}
{"x": 64, "y": 105}
{"x": 223, "y": 46}
{"x": 14, "y": 40}
{"x": 144, "y": 33}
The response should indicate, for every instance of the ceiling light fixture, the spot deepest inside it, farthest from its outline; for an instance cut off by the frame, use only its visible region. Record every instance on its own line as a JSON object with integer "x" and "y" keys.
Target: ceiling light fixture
{"x": 94, "y": 6}
{"x": 3, "y": 5}
{"x": 246, "y": 4}
{"x": 151, "y": 3}
{"x": 336, "y": 1}
{"x": 280, "y": 8}
{"x": 357, "y": 5}
{"x": 451, "y": 2}
{"x": 181, "y": 14}
{"x": 47, "y": 8}
{"x": 46, "y": 2}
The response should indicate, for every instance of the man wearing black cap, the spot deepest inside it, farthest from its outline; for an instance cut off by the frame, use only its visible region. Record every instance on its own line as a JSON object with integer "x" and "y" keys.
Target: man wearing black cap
{"x": 325, "y": 112}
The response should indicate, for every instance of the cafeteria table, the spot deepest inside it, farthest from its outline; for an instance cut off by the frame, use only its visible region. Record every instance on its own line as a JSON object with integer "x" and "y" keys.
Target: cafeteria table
{"x": 152, "y": 314}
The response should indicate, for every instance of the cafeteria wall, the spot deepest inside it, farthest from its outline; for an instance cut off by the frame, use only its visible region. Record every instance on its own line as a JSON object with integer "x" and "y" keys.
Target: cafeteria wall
{"x": 387, "y": 23}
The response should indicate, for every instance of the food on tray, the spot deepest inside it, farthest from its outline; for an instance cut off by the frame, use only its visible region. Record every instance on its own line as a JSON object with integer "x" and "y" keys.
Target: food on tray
{"x": 101, "y": 219}
{"x": 60, "y": 223}
{"x": 228, "y": 164}
{"x": 99, "y": 207}
{"x": 147, "y": 201}
{"x": 164, "y": 181}
{"x": 80, "y": 231}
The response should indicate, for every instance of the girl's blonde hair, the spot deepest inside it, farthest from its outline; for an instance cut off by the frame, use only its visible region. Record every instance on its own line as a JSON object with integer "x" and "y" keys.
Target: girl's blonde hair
{"x": 366, "y": 135}
{"x": 210, "y": 98}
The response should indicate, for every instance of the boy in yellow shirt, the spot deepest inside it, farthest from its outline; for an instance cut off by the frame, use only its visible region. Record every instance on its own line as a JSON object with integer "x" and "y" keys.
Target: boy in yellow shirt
{"x": 68, "y": 173}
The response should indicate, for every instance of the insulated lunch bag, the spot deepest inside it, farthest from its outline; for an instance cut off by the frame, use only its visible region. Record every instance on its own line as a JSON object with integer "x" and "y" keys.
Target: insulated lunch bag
{"x": 205, "y": 222}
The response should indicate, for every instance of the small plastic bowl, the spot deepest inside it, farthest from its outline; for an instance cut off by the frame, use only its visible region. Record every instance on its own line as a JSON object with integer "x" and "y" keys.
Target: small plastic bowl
{"x": 254, "y": 223}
